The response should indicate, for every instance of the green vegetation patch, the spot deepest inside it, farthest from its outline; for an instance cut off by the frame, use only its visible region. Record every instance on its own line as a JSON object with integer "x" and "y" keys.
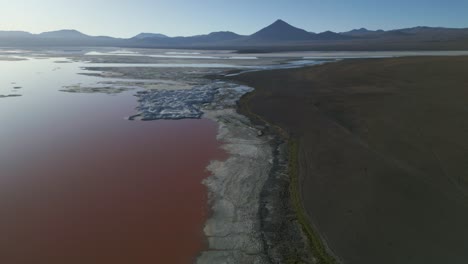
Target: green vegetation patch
{"x": 317, "y": 246}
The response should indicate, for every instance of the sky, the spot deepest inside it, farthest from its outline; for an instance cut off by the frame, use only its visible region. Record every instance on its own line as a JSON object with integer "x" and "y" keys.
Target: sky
{"x": 126, "y": 18}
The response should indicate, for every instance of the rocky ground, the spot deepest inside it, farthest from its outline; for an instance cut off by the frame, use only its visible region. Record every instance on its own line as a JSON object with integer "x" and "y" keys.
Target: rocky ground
{"x": 188, "y": 103}
{"x": 234, "y": 229}
{"x": 252, "y": 217}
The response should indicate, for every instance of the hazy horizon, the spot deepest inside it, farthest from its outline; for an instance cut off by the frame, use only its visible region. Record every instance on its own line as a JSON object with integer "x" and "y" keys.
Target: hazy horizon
{"x": 126, "y": 18}
{"x": 300, "y": 139}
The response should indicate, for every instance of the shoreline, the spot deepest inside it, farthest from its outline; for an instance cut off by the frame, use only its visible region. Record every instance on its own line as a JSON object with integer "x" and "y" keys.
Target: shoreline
{"x": 233, "y": 230}
{"x": 253, "y": 215}
{"x": 308, "y": 245}
{"x": 253, "y": 219}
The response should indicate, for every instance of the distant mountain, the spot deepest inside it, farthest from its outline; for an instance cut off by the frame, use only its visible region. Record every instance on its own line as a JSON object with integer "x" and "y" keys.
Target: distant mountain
{"x": 15, "y": 34}
{"x": 280, "y": 31}
{"x": 435, "y": 32}
{"x": 214, "y": 38}
{"x": 217, "y": 36}
{"x": 66, "y": 33}
{"x": 421, "y": 33}
{"x": 373, "y": 34}
{"x": 329, "y": 35}
{"x": 425, "y": 30}
{"x": 358, "y": 31}
{"x": 149, "y": 36}
{"x": 279, "y": 36}
{"x": 67, "y": 37}
{"x": 362, "y": 32}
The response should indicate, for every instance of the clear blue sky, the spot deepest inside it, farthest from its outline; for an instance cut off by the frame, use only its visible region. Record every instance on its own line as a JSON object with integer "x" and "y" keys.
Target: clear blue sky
{"x": 125, "y": 18}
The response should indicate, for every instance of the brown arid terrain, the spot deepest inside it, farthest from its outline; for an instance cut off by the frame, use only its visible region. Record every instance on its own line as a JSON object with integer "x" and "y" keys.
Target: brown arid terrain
{"x": 382, "y": 154}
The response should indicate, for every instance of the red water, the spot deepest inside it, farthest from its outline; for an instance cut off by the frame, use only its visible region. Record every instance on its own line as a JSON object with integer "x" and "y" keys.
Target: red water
{"x": 79, "y": 184}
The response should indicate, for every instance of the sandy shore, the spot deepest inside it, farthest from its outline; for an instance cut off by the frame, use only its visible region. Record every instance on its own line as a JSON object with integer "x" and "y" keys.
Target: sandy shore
{"x": 252, "y": 219}
{"x": 234, "y": 231}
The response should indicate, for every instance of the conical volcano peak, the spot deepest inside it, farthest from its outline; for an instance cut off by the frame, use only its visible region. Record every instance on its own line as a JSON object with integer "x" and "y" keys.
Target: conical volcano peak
{"x": 281, "y": 24}
{"x": 280, "y": 21}
{"x": 280, "y": 30}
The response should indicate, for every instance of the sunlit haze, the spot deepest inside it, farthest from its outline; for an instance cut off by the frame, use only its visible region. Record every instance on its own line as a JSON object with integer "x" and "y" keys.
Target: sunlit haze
{"x": 125, "y": 18}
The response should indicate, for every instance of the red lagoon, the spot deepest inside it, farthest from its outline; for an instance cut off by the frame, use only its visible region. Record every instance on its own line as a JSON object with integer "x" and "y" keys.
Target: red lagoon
{"x": 79, "y": 184}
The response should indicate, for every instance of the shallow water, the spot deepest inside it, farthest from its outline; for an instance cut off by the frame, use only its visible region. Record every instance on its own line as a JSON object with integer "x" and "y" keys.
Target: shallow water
{"x": 81, "y": 184}
{"x": 172, "y": 65}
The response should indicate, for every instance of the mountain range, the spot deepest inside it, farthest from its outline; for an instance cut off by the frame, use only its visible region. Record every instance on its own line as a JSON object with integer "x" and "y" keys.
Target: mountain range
{"x": 279, "y": 36}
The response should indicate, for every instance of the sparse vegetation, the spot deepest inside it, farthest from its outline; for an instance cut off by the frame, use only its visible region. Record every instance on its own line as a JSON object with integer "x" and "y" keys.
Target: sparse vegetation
{"x": 315, "y": 242}
{"x": 317, "y": 246}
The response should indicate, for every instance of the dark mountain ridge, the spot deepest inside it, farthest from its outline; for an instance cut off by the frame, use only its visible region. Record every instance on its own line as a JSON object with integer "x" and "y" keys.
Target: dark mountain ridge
{"x": 64, "y": 33}
{"x": 149, "y": 36}
{"x": 277, "y": 36}
{"x": 281, "y": 31}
